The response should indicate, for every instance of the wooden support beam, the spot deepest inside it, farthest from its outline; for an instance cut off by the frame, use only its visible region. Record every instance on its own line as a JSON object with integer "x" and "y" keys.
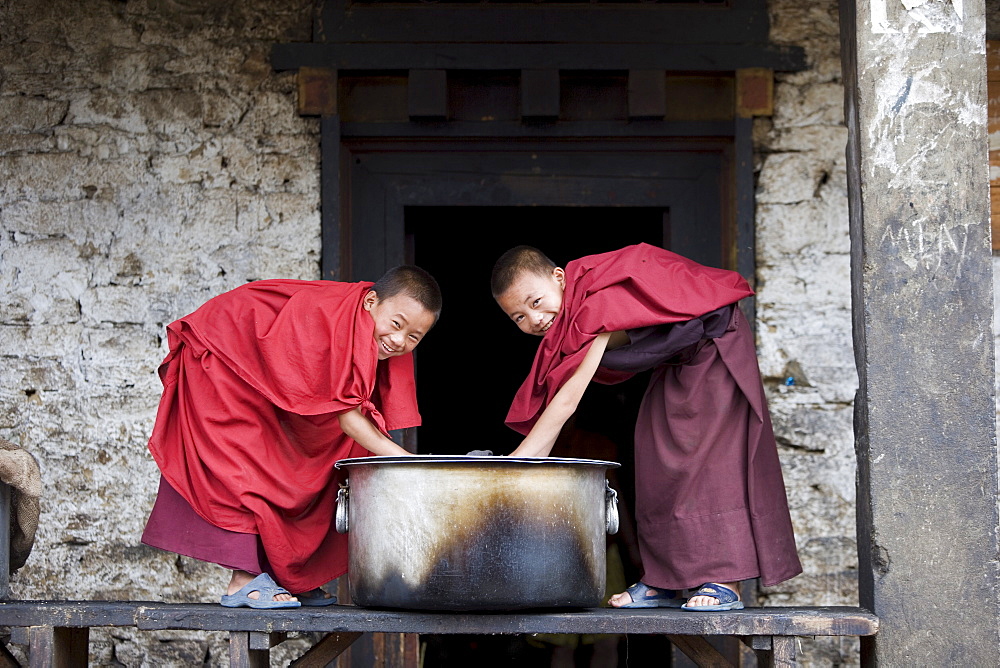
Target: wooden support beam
{"x": 540, "y": 95}
{"x": 647, "y": 94}
{"x": 326, "y": 650}
{"x": 427, "y": 95}
{"x": 266, "y": 641}
{"x": 57, "y": 647}
{"x": 242, "y": 655}
{"x": 700, "y": 651}
{"x": 317, "y": 91}
{"x": 780, "y": 655}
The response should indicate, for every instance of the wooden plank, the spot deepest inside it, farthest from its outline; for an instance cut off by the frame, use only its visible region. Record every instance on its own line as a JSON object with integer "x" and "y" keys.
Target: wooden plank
{"x": 700, "y": 651}
{"x": 563, "y": 129}
{"x": 993, "y": 108}
{"x": 326, "y": 650}
{"x": 70, "y": 613}
{"x": 660, "y": 54}
{"x": 242, "y": 655}
{"x": 647, "y": 94}
{"x": 330, "y": 199}
{"x": 317, "y": 88}
{"x": 540, "y": 94}
{"x": 57, "y": 647}
{"x": 824, "y": 621}
{"x": 992, "y": 60}
{"x": 995, "y": 215}
{"x": 427, "y": 95}
{"x": 622, "y": 23}
{"x": 754, "y": 92}
{"x": 745, "y": 214}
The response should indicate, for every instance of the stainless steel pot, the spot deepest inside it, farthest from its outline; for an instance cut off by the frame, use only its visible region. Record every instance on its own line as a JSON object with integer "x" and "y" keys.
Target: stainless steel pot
{"x": 436, "y": 532}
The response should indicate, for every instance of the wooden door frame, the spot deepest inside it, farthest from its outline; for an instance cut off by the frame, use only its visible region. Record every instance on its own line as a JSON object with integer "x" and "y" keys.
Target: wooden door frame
{"x": 736, "y": 187}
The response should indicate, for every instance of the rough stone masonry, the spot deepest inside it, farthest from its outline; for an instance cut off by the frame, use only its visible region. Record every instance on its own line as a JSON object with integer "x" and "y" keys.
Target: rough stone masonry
{"x": 150, "y": 158}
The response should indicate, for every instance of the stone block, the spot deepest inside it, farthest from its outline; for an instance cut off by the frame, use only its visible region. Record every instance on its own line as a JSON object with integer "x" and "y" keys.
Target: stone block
{"x": 814, "y": 104}
{"x": 113, "y": 305}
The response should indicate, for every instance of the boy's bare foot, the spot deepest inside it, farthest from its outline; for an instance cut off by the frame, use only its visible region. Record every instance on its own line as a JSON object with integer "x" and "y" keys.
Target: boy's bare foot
{"x": 241, "y": 579}
{"x": 711, "y": 600}
{"x": 618, "y": 600}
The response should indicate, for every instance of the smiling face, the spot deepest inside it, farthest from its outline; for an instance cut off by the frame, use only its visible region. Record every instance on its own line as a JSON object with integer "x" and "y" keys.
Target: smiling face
{"x": 533, "y": 300}
{"x": 400, "y": 323}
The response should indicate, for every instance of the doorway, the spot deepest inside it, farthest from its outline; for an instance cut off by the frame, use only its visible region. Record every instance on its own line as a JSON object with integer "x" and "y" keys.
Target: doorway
{"x": 453, "y": 208}
{"x": 471, "y": 364}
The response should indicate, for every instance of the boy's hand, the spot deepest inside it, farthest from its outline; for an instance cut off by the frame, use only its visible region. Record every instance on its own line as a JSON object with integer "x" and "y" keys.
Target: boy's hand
{"x": 358, "y": 427}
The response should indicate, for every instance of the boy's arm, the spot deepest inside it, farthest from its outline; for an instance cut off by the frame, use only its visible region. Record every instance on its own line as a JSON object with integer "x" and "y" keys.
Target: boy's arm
{"x": 361, "y": 429}
{"x": 541, "y": 438}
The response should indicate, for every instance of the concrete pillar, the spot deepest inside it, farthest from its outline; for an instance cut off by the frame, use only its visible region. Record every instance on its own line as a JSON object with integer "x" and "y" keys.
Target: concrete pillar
{"x": 915, "y": 74}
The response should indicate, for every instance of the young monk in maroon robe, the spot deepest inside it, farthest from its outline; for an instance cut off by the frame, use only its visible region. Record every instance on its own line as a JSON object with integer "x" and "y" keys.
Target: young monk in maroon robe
{"x": 265, "y": 388}
{"x": 710, "y": 507}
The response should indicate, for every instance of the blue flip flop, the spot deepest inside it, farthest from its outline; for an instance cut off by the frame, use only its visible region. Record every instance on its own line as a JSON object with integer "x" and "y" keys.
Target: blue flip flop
{"x": 728, "y": 599}
{"x": 266, "y": 587}
{"x": 315, "y": 598}
{"x": 664, "y": 598}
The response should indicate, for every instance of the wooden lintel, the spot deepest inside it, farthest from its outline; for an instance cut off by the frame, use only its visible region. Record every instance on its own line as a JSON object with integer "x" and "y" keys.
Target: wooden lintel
{"x": 317, "y": 91}
{"x": 539, "y": 94}
{"x": 647, "y": 94}
{"x": 427, "y": 94}
{"x": 754, "y": 92}
{"x": 326, "y": 650}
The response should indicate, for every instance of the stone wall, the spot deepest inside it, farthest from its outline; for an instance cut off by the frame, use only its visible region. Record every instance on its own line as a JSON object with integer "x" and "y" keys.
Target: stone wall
{"x": 804, "y": 313}
{"x": 150, "y": 159}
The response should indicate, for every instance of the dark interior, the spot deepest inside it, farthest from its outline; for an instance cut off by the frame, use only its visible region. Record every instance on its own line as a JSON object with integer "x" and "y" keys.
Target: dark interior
{"x": 473, "y": 361}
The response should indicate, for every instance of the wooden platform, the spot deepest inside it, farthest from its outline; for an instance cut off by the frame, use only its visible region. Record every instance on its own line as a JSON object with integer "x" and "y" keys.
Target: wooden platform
{"x": 58, "y": 629}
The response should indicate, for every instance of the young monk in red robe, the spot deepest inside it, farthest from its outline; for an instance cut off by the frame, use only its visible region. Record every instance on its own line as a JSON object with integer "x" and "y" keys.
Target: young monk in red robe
{"x": 710, "y": 504}
{"x": 265, "y": 388}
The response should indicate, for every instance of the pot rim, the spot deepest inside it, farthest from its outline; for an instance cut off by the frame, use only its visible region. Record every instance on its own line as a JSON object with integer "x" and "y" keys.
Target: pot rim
{"x": 468, "y": 459}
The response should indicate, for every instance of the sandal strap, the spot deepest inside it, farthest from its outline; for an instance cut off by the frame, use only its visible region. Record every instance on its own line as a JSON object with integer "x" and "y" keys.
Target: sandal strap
{"x": 266, "y": 587}
{"x": 724, "y": 594}
{"x": 640, "y": 591}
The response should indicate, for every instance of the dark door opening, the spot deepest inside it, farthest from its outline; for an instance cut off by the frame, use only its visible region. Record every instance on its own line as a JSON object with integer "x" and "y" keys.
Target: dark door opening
{"x": 473, "y": 361}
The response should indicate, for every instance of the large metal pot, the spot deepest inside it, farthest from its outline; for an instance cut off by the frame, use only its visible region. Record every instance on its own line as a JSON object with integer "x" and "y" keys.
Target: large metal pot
{"x": 436, "y": 532}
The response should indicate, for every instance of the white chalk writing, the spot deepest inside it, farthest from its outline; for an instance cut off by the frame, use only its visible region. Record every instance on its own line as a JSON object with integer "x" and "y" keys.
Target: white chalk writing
{"x": 927, "y": 245}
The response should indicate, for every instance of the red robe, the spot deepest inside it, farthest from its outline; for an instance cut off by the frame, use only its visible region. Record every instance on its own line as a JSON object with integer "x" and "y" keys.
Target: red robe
{"x": 710, "y": 498}
{"x": 247, "y": 429}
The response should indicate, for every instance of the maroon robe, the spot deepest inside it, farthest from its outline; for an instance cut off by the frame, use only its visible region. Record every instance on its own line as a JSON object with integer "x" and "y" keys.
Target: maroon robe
{"x": 710, "y": 498}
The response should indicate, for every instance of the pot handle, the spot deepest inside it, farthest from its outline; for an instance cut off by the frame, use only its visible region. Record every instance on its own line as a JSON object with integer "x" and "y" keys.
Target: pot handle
{"x": 610, "y": 508}
{"x": 343, "y": 503}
